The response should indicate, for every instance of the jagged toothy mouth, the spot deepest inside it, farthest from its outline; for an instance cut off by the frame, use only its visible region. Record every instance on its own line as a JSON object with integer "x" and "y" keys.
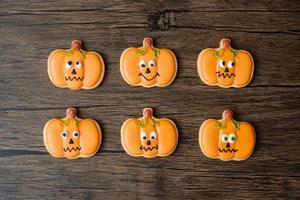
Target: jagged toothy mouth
{"x": 219, "y": 74}
{"x": 72, "y": 149}
{"x": 227, "y": 150}
{"x": 157, "y": 74}
{"x": 148, "y": 148}
{"x": 69, "y": 78}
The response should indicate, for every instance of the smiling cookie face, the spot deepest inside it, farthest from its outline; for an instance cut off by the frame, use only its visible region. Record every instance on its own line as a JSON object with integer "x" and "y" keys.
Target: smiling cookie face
{"x": 74, "y": 68}
{"x": 148, "y": 136}
{"x": 148, "y": 66}
{"x": 148, "y": 69}
{"x": 227, "y": 139}
{"x": 225, "y": 66}
{"x": 72, "y": 137}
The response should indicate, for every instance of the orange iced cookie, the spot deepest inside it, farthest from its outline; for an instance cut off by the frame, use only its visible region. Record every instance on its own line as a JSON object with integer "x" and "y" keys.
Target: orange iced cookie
{"x": 148, "y": 136}
{"x": 72, "y": 137}
{"x": 226, "y": 138}
{"x": 74, "y": 68}
{"x": 148, "y": 66}
{"x": 225, "y": 66}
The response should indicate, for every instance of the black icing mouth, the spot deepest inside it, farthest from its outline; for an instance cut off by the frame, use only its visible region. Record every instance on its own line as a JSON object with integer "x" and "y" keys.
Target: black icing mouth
{"x": 157, "y": 74}
{"x": 219, "y": 74}
{"x": 69, "y": 78}
{"x": 148, "y": 148}
{"x": 72, "y": 149}
{"x": 227, "y": 150}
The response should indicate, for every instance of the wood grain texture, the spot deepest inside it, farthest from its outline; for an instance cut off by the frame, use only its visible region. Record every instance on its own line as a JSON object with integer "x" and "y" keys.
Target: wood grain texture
{"x": 29, "y": 31}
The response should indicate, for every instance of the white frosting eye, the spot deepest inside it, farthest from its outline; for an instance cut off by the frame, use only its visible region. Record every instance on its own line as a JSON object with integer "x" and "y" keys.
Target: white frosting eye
{"x": 232, "y": 138}
{"x": 78, "y": 64}
{"x": 142, "y": 63}
{"x": 143, "y": 135}
{"x": 68, "y": 64}
{"x": 64, "y": 135}
{"x": 224, "y": 138}
{"x": 222, "y": 63}
{"x": 230, "y": 64}
{"x": 75, "y": 134}
{"x": 151, "y": 63}
{"x": 153, "y": 135}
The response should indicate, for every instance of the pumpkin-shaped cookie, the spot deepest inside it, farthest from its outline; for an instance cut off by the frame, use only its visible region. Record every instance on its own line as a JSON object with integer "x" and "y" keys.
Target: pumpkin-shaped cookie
{"x": 225, "y": 66}
{"x": 72, "y": 137}
{"x": 74, "y": 68}
{"x": 148, "y": 66}
{"x": 148, "y": 136}
{"x": 226, "y": 138}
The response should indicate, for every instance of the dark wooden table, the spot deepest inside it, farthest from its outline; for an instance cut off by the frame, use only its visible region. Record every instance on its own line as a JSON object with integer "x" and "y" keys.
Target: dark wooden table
{"x": 29, "y": 31}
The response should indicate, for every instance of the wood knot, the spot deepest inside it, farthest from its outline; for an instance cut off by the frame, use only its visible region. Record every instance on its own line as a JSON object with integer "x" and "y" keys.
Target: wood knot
{"x": 161, "y": 21}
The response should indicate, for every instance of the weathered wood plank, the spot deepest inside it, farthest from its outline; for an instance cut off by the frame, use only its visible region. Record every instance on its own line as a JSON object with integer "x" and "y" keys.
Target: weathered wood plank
{"x": 113, "y": 175}
{"x": 145, "y": 6}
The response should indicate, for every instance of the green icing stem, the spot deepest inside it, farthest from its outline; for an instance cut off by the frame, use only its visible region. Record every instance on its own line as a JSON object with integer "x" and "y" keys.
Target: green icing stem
{"x": 141, "y": 52}
{"x": 155, "y": 52}
{"x": 155, "y": 123}
{"x": 141, "y": 124}
{"x": 82, "y": 53}
{"x": 236, "y": 124}
{"x": 219, "y": 53}
{"x": 219, "y": 125}
{"x": 69, "y": 52}
{"x": 233, "y": 53}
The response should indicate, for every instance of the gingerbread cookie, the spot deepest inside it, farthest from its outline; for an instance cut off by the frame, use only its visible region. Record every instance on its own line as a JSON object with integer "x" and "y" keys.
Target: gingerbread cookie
{"x": 226, "y": 138}
{"x": 72, "y": 137}
{"x": 148, "y": 66}
{"x": 148, "y": 136}
{"x": 225, "y": 66}
{"x": 74, "y": 68}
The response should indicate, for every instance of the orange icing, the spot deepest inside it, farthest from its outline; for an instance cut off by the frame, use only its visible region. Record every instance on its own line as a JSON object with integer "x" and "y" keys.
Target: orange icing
{"x": 148, "y": 66}
{"x": 72, "y": 137}
{"x": 226, "y": 138}
{"x": 148, "y": 136}
{"x": 75, "y": 68}
{"x": 225, "y": 66}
